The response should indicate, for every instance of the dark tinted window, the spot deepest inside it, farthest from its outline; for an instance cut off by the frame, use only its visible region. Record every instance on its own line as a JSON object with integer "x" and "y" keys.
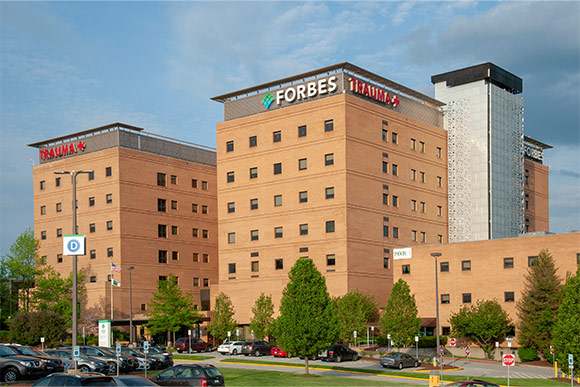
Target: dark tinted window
{"x": 103, "y": 381}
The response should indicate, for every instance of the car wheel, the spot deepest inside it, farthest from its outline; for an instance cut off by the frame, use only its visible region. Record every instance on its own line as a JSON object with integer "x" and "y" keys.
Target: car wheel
{"x": 112, "y": 368}
{"x": 338, "y": 359}
{"x": 208, "y": 349}
{"x": 257, "y": 353}
{"x": 235, "y": 352}
{"x": 11, "y": 375}
{"x": 384, "y": 366}
{"x": 179, "y": 351}
{"x": 400, "y": 366}
{"x": 246, "y": 354}
{"x": 355, "y": 357}
{"x": 84, "y": 369}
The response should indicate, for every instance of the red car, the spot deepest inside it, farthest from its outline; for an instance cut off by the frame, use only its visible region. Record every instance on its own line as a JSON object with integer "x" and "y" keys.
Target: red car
{"x": 279, "y": 352}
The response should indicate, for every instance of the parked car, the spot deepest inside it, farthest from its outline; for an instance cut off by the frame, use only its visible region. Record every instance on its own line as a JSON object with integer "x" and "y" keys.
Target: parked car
{"x": 399, "y": 360}
{"x": 14, "y": 366}
{"x": 85, "y": 364}
{"x": 190, "y": 375}
{"x": 51, "y": 363}
{"x": 197, "y": 345}
{"x": 128, "y": 363}
{"x": 61, "y": 379}
{"x": 338, "y": 353}
{"x": 132, "y": 381}
{"x": 149, "y": 362}
{"x": 256, "y": 348}
{"x": 164, "y": 356}
{"x": 279, "y": 352}
{"x": 231, "y": 347}
{"x": 101, "y": 354}
{"x": 471, "y": 383}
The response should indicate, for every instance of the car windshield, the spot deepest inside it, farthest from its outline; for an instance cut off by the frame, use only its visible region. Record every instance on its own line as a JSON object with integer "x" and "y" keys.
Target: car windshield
{"x": 212, "y": 372}
{"x": 7, "y": 351}
{"x": 107, "y": 351}
{"x": 26, "y": 351}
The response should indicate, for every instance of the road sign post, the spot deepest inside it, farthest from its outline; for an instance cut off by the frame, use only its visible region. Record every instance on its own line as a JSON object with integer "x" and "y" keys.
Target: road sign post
{"x": 354, "y": 333}
{"x": 145, "y": 351}
{"x": 508, "y": 361}
{"x": 118, "y": 354}
{"x": 453, "y": 343}
{"x": 571, "y": 368}
{"x": 417, "y": 347}
{"x": 189, "y": 335}
{"x": 467, "y": 352}
{"x": 76, "y": 356}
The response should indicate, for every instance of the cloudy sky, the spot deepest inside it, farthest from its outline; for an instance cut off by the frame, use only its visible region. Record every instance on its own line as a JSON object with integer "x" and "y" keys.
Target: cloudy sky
{"x": 72, "y": 66}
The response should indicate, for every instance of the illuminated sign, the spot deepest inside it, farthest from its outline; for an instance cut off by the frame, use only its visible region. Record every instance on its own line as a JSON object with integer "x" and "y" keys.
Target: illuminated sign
{"x": 61, "y": 150}
{"x": 305, "y": 91}
{"x": 533, "y": 152}
{"x": 373, "y": 92}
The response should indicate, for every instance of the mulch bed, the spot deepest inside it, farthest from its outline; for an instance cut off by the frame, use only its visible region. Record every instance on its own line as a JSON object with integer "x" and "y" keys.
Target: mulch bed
{"x": 565, "y": 380}
{"x": 543, "y": 363}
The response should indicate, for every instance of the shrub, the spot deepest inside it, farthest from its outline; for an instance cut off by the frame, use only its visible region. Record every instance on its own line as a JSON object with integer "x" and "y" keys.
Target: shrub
{"x": 431, "y": 341}
{"x": 527, "y": 354}
{"x": 547, "y": 355}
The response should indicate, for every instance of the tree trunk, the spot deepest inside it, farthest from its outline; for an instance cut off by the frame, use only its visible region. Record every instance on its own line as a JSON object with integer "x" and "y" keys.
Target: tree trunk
{"x": 306, "y": 365}
{"x": 168, "y": 338}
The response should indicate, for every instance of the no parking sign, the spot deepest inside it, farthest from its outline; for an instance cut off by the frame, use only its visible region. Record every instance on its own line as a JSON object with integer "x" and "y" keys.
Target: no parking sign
{"x": 73, "y": 245}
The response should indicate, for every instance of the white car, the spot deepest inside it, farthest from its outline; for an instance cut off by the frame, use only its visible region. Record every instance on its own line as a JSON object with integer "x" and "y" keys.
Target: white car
{"x": 231, "y": 347}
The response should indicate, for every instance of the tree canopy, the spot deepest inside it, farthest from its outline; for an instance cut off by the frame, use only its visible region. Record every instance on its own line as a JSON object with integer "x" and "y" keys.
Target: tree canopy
{"x": 27, "y": 328}
{"x": 354, "y": 310}
{"x": 223, "y": 317}
{"x": 307, "y": 323}
{"x": 566, "y": 334}
{"x": 400, "y": 316}
{"x": 263, "y": 316}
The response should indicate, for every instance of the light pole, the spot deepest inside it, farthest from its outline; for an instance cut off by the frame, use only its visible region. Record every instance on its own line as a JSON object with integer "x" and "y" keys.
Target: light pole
{"x": 435, "y": 255}
{"x": 130, "y": 268}
{"x": 74, "y": 263}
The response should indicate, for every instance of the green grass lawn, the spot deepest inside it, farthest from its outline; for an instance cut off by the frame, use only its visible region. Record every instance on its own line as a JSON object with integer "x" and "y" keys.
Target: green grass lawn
{"x": 192, "y": 357}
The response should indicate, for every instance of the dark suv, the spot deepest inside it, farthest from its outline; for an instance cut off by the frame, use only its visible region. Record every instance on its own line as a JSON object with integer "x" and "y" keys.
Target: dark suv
{"x": 14, "y": 366}
{"x": 257, "y": 348}
{"x": 338, "y": 353}
{"x": 51, "y": 363}
{"x": 182, "y": 345}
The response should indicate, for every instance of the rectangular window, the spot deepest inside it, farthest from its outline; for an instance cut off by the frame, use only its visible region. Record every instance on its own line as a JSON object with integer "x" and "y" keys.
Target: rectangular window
{"x": 109, "y": 225}
{"x": 109, "y": 252}
{"x": 385, "y": 230}
{"x": 205, "y": 258}
{"x": 58, "y": 207}
{"x": 59, "y": 258}
{"x": 279, "y": 264}
{"x": 59, "y": 232}
{"x": 421, "y": 177}
{"x": 174, "y": 204}
{"x": 109, "y": 198}
{"x": 413, "y": 144}
{"x": 42, "y": 184}
{"x": 162, "y": 256}
{"x": 255, "y": 266}
{"x": 302, "y": 164}
{"x": 406, "y": 269}
{"x": 92, "y": 175}
{"x": 532, "y": 260}
{"x": 229, "y": 146}
{"x": 92, "y": 227}
{"x": 414, "y": 235}
{"x": 395, "y": 201}
{"x": 93, "y": 254}
{"x": 438, "y": 152}
{"x": 253, "y": 204}
{"x": 42, "y": 210}
{"x": 396, "y": 232}
{"x": 386, "y": 199}
{"x": 232, "y": 237}
{"x": 330, "y": 226}
{"x": 423, "y": 237}
{"x": 413, "y": 205}
{"x": 175, "y": 255}
{"x": 204, "y": 185}
{"x": 193, "y": 183}
{"x": 277, "y": 168}
{"x": 277, "y": 200}
{"x": 509, "y": 296}
{"x": 328, "y": 126}
{"x": 143, "y": 306}
{"x": 174, "y": 230}
{"x": 195, "y": 257}
{"x": 466, "y": 298}
{"x": 439, "y": 180}
{"x": 231, "y": 207}
{"x": 465, "y": 265}
{"x": 413, "y": 174}
{"x": 278, "y": 232}
{"x": 93, "y": 278}
{"x": 195, "y": 282}
{"x": 444, "y": 267}
{"x": 108, "y": 171}
{"x": 253, "y": 141}
{"x": 439, "y": 238}
{"x": 385, "y": 135}
{"x": 254, "y": 236}
{"x": 302, "y": 131}
{"x": 439, "y": 210}
{"x": 230, "y": 177}
{"x": 422, "y": 207}
{"x": 445, "y": 299}
{"x": 386, "y": 262}
{"x": 421, "y": 146}
{"x": 173, "y": 179}
{"x": 161, "y": 205}
{"x": 161, "y": 179}
{"x": 395, "y": 169}
{"x": 195, "y": 232}
{"x": 205, "y": 282}
{"x": 329, "y": 192}
{"x": 231, "y": 268}
{"x": 204, "y": 210}
{"x": 394, "y": 138}
{"x": 43, "y": 235}
{"x": 57, "y": 181}
{"x": 304, "y": 229}
{"x": 253, "y": 172}
{"x": 303, "y": 196}
{"x": 508, "y": 263}
{"x": 330, "y": 260}
{"x": 194, "y": 207}
{"x": 162, "y": 231}
{"x": 329, "y": 159}
{"x": 277, "y": 136}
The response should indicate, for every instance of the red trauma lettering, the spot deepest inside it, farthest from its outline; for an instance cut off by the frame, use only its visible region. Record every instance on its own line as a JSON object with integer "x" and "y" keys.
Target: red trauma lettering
{"x": 359, "y": 86}
{"x": 41, "y": 155}
{"x": 387, "y": 99}
{"x": 58, "y": 151}
{"x": 395, "y": 101}
{"x": 380, "y": 95}
{"x": 52, "y": 153}
{"x": 351, "y": 82}
{"x": 46, "y": 154}
{"x": 71, "y": 148}
{"x": 373, "y": 92}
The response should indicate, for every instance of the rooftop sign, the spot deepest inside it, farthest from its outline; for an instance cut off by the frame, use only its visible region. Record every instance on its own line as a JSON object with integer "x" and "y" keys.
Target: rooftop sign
{"x": 61, "y": 150}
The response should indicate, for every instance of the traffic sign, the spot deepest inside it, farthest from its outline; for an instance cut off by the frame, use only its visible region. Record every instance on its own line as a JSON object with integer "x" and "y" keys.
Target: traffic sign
{"x": 441, "y": 350}
{"x": 354, "y": 334}
{"x": 467, "y": 351}
{"x": 570, "y": 359}
{"x": 76, "y": 353}
{"x": 508, "y": 360}
{"x": 551, "y": 350}
{"x": 73, "y": 245}
{"x": 145, "y": 347}
{"x": 118, "y": 350}
{"x": 452, "y": 342}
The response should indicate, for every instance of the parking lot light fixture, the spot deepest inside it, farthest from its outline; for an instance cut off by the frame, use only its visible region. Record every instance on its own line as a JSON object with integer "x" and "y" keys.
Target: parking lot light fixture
{"x": 436, "y": 255}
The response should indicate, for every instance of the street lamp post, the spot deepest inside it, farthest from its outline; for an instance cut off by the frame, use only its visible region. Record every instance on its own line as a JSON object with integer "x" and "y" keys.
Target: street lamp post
{"x": 435, "y": 255}
{"x": 131, "y": 337}
{"x": 74, "y": 263}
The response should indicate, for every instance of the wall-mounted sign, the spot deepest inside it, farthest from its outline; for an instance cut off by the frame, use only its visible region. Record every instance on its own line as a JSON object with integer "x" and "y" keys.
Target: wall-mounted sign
{"x": 533, "y": 152}
{"x": 402, "y": 253}
{"x": 373, "y": 92}
{"x": 302, "y": 92}
{"x": 61, "y": 150}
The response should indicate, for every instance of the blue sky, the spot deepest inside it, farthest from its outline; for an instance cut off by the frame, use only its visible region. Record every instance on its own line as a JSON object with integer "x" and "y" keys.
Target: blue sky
{"x": 71, "y": 66}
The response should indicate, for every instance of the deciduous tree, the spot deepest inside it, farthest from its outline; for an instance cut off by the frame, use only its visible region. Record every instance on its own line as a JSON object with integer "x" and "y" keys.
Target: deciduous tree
{"x": 307, "y": 323}
{"x": 400, "y": 316}
{"x": 223, "y": 317}
{"x": 354, "y": 310}
{"x": 263, "y": 316}
{"x": 28, "y": 327}
{"x": 566, "y": 335}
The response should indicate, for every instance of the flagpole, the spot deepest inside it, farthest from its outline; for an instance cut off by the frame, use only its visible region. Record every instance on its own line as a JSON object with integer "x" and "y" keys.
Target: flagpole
{"x": 111, "y": 266}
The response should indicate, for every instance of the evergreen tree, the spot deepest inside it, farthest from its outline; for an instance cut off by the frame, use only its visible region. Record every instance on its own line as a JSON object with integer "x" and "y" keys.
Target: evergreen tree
{"x": 223, "y": 317}
{"x": 539, "y": 303}
{"x": 27, "y": 328}
{"x": 485, "y": 322}
{"x": 566, "y": 334}
{"x": 263, "y": 316}
{"x": 170, "y": 309}
{"x": 354, "y": 310}
{"x": 307, "y": 323}
{"x": 400, "y": 316}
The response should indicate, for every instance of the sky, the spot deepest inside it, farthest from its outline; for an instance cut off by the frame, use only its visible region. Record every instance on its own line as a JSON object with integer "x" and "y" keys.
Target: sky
{"x": 71, "y": 66}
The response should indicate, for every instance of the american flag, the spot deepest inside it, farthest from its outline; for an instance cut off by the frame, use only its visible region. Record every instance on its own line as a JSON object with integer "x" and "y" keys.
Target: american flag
{"x": 115, "y": 267}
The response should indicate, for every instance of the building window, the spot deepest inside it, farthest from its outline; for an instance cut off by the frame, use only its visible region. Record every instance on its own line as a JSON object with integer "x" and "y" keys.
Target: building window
{"x": 255, "y": 266}
{"x": 386, "y": 262}
{"x": 195, "y": 232}
{"x": 204, "y": 185}
{"x": 175, "y": 255}
{"x": 421, "y": 146}
{"x": 143, "y": 306}
{"x": 42, "y": 210}
{"x": 466, "y": 298}
{"x": 92, "y": 227}
{"x": 42, "y": 184}
{"x": 423, "y": 237}
{"x": 108, "y": 171}
{"x": 304, "y": 229}
{"x": 109, "y": 225}
{"x": 205, "y": 258}
{"x": 395, "y": 169}
{"x": 230, "y": 177}
{"x": 439, "y": 180}
{"x": 162, "y": 231}
{"x": 413, "y": 205}
{"x": 439, "y": 210}
{"x": 406, "y": 269}
{"x": 253, "y": 141}
{"x": 421, "y": 177}
{"x": 385, "y": 167}
{"x": 396, "y": 232}
{"x": 59, "y": 232}
{"x": 508, "y": 263}
{"x": 385, "y": 230}
{"x": 193, "y": 183}
{"x": 413, "y": 144}
{"x": 253, "y": 204}
{"x": 59, "y": 258}
{"x": 43, "y": 235}
{"x": 277, "y": 168}
{"x": 58, "y": 207}
{"x": 173, "y": 179}
{"x": 174, "y": 204}
{"x": 509, "y": 296}
{"x": 439, "y": 238}
{"x": 330, "y": 226}
{"x": 277, "y": 136}
{"x": 444, "y": 267}
{"x": 414, "y": 235}
{"x": 93, "y": 254}
{"x": 329, "y": 159}
{"x": 109, "y": 252}
{"x": 194, "y": 207}
{"x": 162, "y": 256}
{"x": 205, "y": 282}
{"x": 195, "y": 282}
{"x": 91, "y": 175}
{"x": 394, "y": 138}
{"x": 395, "y": 201}
{"x": 195, "y": 257}
{"x": 174, "y": 230}
{"x": 231, "y": 268}
{"x": 328, "y": 126}
{"x": 279, "y": 264}
{"x": 302, "y": 164}
{"x": 577, "y": 258}
{"x": 386, "y": 199}
{"x": 438, "y": 152}
{"x": 93, "y": 278}
{"x": 532, "y": 260}
{"x": 231, "y": 207}
{"x": 385, "y": 134}
{"x": 330, "y": 260}
{"x": 302, "y": 131}
{"x": 445, "y": 299}
{"x": 277, "y": 200}
{"x": 465, "y": 265}
{"x": 254, "y": 235}
{"x": 57, "y": 181}
{"x": 329, "y": 192}
{"x": 232, "y": 237}
{"x": 422, "y": 207}
{"x": 161, "y": 205}
{"x": 161, "y": 179}
{"x": 303, "y": 196}
{"x": 254, "y": 254}
{"x": 253, "y": 172}
{"x": 278, "y": 232}
{"x": 413, "y": 174}
{"x": 229, "y": 146}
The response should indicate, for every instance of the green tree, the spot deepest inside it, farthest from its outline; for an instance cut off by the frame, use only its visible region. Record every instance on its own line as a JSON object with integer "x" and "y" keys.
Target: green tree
{"x": 307, "y": 323}
{"x": 354, "y": 310}
{"x": 223, "y": 317}
{"x": 28, "y": 327}
{"x": 400, "y": 316}
{"x": 170, "y": 309}
{"x": 263, "y": 316}
{"x": 18, "y": 270}
{"x": 485, "y": 322}
{"x": 566, "y": 334}
{"x": 539, "y": 303}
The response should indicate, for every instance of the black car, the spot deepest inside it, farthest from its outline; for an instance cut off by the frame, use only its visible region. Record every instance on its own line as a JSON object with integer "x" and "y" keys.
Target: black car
{"x": 257, "y": 348}
{"x": 98, "y": 353}
{"x": 133, "y": 381}
{"x": 164, "y": 356}
{"x": 76, "y": 380}
{"x": 85, "y": 364}
{"x": 14, "y": 366}
{"x": 338, "y": 353}
{"x": 51, "y": 363}
{"x": 190, "y": 375}
{"x": 151, "y": 363}
{"x": 399, "y": 360}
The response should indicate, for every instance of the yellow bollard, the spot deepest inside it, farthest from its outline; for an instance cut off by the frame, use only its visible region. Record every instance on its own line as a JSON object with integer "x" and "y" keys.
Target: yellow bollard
{"x": 555, "y": 369}
{"x": 434, "y": 362}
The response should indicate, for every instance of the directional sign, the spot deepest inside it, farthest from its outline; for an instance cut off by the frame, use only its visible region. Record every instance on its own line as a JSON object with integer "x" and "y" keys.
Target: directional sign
{"x": 467, "y": 351}
{"x": 73, "y": 245}
{"x": 508, "y": 360}
{"x": 452, "y": 342}
{"x": 145, "y": 347}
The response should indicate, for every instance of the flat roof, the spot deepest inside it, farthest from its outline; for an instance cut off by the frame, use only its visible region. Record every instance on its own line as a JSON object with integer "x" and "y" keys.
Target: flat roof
{"x": 333, "y": 68}
{"x": 488, "y": 70}
{"x": 84, "y": 133}
{"x": 537, "y": 143}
